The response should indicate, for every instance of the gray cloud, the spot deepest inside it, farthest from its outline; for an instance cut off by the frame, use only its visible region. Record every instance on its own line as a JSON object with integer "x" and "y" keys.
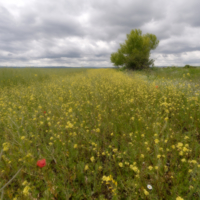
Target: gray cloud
{"x": 85, "y": 33}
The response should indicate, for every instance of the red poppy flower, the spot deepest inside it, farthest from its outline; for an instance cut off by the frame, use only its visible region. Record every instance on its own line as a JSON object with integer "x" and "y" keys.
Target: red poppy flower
{"x": 156, "y": 86}
{"x": 41, "y": 163}
{"x": 44, "y": 112}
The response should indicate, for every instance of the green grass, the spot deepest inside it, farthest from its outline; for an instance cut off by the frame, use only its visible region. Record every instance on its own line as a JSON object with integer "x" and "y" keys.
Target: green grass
{"x": 174, "y": 73}
{"x": 104, "y": 134}
{"x": 10, "y": 77}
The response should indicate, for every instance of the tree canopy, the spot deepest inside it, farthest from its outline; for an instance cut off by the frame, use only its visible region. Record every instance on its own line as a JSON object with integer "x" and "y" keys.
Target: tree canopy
{"x": 135, "y": 52}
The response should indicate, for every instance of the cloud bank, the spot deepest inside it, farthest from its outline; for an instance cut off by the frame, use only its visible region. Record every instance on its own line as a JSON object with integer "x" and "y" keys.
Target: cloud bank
{"x": 77, "y": 33}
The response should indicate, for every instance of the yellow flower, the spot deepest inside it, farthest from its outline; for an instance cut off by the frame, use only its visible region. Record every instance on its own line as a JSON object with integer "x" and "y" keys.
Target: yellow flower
{"x": 166, "y": 118}
{"x": 75, "y": 146}
{"x": 6, "y": 146}
{"x": 86, "y": 167}
{"x": 193, "y": 161}
{"x": 121, "y": 164}
{"x": 107, "y": 178}
{"x": 180, "y": 153}
{"x": 150, "y": 167}
{"x": 148, "y": 149}
{"x": 185, "y": 149}
{"x": 179, "y": 145}
{"x": 25, "y": 183}
{"x": 23, "y": 137}
{"x": 156, "y": 141}
{"x": 98, "y": 130}
{"x": 115, "y": 150}
{"x": 158, "y": 156}
{"x": 134, "y": 168}
{"x": 26, "y": 190}
{"x": 146, "y": 192}
{"x": 92, "y": 159}
{"x": 179, "y": 198}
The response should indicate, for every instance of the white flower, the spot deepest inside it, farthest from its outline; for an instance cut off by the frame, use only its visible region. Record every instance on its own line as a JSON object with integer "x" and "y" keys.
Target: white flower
{"x": 149, "y": 187}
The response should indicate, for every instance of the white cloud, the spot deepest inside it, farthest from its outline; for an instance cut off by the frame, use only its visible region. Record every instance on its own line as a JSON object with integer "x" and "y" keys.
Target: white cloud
{"x": 85, "y": 33}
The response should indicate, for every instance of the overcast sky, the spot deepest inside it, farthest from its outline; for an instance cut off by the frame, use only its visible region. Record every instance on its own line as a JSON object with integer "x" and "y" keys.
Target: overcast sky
{"x": 78, "y": 33}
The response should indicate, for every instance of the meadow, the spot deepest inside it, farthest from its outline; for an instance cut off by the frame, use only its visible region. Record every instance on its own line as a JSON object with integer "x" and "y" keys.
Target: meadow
{"x": 99, "y": 134}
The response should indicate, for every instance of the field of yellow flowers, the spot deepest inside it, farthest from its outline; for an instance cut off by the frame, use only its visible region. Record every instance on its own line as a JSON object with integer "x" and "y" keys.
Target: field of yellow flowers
{"x": 98, "y": 134}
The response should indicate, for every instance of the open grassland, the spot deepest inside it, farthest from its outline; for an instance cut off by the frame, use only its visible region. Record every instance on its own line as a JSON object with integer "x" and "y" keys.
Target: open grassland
{"x": 104, "y": 134}
{"x": 174, "y": 73}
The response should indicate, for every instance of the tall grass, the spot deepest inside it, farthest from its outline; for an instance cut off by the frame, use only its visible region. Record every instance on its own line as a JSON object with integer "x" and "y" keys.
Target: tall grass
{"x": 104, "y": 135}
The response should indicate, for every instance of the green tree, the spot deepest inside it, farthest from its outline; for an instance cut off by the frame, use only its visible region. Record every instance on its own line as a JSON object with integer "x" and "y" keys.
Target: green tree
{"x": 135, "y": 52}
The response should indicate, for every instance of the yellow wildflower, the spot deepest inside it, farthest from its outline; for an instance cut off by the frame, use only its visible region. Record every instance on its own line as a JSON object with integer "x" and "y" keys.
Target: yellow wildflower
{"x": 25, "y": 183}
{"x": 26, "y": 190}
{"x": 146, "y": 192}
{"x": 92, "y": 159}
{"x": 179, "y": 198}
{"x": 121, "y": 164}
{"x": 6, "y": 146}
{"x": 23, "y": 137}
{"x": 158, "y": 156}
{"x": 86, "y": 167}
{"x": 156, "y": 141}
{"x": 150, "y": 167}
